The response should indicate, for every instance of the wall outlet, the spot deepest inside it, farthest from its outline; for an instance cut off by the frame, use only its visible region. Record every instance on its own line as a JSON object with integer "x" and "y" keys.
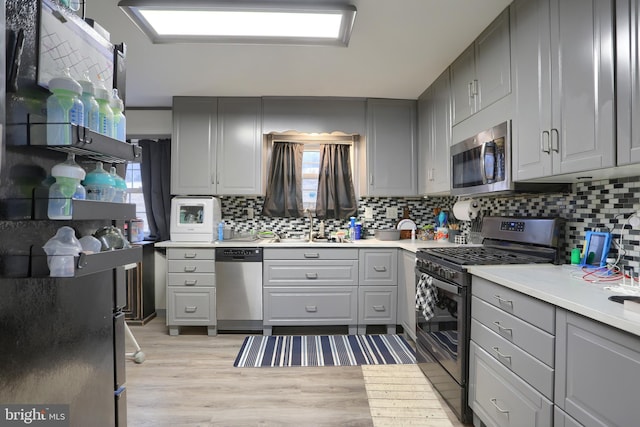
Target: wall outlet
{"x": 392, "y": 212}
{"x": 249, "y": 213}
{"x": 368, "y": 213}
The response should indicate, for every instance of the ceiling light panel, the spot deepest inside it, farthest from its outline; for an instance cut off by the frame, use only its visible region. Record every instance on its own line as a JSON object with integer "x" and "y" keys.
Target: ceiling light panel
{"x": 241, "y": 22}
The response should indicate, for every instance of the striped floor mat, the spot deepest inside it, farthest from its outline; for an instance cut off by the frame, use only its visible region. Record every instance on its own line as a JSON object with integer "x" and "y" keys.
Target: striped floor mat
{"x": 323, "y": 350}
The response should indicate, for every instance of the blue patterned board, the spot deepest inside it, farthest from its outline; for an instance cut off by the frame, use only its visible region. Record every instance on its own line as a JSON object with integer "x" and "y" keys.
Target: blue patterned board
{"x": 323, "y": 350}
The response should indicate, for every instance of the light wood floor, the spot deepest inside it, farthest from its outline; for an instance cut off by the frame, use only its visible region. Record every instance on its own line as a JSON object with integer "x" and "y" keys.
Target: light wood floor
{"x": 189, "y": 380}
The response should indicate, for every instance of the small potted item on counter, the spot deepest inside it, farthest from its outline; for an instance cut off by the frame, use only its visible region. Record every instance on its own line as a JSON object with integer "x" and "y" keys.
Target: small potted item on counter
{"x": 427, "y": 232}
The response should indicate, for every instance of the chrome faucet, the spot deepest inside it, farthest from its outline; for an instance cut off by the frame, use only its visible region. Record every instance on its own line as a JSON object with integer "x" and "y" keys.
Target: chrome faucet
{"x": 308, "y": 212}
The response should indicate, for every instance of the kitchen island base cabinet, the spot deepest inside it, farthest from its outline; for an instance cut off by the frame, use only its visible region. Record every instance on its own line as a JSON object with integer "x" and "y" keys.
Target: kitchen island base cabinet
{"x": 498, "y": 397}
{"x": 597, "y": 372}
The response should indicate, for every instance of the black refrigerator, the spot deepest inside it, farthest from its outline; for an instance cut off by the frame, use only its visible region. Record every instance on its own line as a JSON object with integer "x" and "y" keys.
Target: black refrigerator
{"x": 62, "y": 340}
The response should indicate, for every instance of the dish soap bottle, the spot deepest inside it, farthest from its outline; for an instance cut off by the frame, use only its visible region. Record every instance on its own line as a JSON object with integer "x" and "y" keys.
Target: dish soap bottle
{"x": 221, "y": 231}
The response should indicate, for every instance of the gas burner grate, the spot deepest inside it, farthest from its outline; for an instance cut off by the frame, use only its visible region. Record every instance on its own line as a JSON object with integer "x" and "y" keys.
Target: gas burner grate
{"x": 481, "y": 256}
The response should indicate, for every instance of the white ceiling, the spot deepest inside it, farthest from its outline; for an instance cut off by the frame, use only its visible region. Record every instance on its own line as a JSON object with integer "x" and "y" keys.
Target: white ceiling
{"x": 398, "y": 47}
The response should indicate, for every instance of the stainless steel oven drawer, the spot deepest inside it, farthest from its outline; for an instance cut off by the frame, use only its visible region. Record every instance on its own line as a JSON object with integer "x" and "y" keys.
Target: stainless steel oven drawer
{"x": 535, "y": 341}
{"x": 530, "y": 369}
{"x": 534, "y": 311}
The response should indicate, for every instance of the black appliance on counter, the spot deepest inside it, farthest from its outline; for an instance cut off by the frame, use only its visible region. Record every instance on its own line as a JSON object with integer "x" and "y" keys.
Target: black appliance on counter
{"x": 442, "y": 344}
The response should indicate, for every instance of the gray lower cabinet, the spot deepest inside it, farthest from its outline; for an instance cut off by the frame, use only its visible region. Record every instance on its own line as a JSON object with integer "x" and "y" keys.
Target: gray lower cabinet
{"x": 511, "y": 381}
{"x": 499, "y": 397}
{"x": 378, "y": 289}
{"x": 597, "y": 372}
{"x": 407, "y": 292}
{"x": 191, "y": 289}
{"x": 562, "y": 419}
{"x": 310, "y": 287}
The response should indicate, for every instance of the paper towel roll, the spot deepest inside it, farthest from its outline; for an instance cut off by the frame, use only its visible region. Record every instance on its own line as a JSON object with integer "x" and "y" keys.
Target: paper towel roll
{"x": 466, "y": 210}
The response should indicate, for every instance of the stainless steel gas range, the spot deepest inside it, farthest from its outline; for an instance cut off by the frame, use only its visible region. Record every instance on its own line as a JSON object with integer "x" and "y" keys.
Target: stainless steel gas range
{"x": 443, "y": 340}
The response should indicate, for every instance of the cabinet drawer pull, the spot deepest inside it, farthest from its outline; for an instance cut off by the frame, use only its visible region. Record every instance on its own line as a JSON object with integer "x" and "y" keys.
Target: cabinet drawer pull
{"x": 379, "y": 308}
{"x": 380, "y": 269}
{"x": 311, "y": 275}
{"x": 311, "y": 255}
{"x": 495, "y": 403}
{"x": 191, "y": 309}
{"x": 503, "y": 329}
{"x": 502, "y": 356}
{"x": 189, "y": 254}
{"x": 311, "y": 308}
{"x": 190, "y": 269}
{"x": 503, "y": 301}
{"x": 191, "y": 282}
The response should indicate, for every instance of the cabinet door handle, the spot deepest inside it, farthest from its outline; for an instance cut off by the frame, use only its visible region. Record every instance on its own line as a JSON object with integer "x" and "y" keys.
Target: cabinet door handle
{"x": 503, "y": 301}
{"x": 311, "y": 275}
{"x": 191, "y": 309}
{"x": 503, "y": 329}
{"x": 190, "y": 269}
{"x": 190, "y": 282}
{"x": 474, "y": 86}
{"x": 544, "y": 142}
{"x": 555, "y": 142}
{"x": 379, "y": 269}
{"x": 213, "y": 178}
{"x": 189, "y": 255}
{"x": 311, "y": 308}
{"x": 378, "y": 308}
{"x": 470, "y": 89}
{"x": 311, "y": 255}
{"x": 370, "y": 179}
{"x": 502, "y": 356}
{"x": 495, "y": 403}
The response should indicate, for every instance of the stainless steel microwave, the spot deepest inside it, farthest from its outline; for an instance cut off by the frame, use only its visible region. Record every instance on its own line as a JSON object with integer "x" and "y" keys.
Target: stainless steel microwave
{"x": 482, "y": 163}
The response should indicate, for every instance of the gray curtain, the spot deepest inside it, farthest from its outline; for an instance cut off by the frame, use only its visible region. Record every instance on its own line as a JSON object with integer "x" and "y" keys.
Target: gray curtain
{"x": 336, "y": 196}
{"x": 155, "y": 169}
{"x": 284, "y": 183}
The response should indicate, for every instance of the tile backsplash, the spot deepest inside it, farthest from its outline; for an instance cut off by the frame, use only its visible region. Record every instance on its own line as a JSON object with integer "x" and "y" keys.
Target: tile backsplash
{"x": 597, "y": 205}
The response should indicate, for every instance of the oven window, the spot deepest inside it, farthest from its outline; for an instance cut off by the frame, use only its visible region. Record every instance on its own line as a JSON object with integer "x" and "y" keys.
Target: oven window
{"x": 440, "y": 333}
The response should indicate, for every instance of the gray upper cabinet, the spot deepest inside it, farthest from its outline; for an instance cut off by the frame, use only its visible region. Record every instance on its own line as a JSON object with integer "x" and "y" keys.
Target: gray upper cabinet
{"x": 391, "y": 147}
{"x": 314, "y": 114}
{"x": 211, "y": 138}
{"x": 564, "y": 88}
{"x": 628, "y": 85}
{"x": 193, "y": 145}
{"x": 239, "y": 151}
{"x": 597, "y": 372}
{"x": 481, "y": 75}
{"x": 434, "y": 137}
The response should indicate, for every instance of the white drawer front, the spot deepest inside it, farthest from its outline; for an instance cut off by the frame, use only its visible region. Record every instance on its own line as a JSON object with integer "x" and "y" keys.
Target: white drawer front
{"x": 378, "y": 267}
{"x": 315, "y": 305}
{"x": 191, "y": 279}
{"x": 534, "y": 341}
{"x": 499, "y": 398}
{"x": 315, "y": 273}
{"x": 377, "y": 305}
{"x": 191, "y": 253}
{"x": 191, "y": 306}
{"x": 190, "y": 266}
{"x": 306, "y": 253}
{"x": 530, "y": 369}
{"x": 534, "y": 311}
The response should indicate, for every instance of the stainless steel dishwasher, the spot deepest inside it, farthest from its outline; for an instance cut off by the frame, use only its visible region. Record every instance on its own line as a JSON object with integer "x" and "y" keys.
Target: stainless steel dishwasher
{"x": 239, "y": 289}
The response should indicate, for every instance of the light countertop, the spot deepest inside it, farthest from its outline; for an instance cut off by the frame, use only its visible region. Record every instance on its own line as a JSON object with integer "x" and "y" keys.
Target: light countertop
{"x": 405, "y": 244}
{"x": 564, "y": 287}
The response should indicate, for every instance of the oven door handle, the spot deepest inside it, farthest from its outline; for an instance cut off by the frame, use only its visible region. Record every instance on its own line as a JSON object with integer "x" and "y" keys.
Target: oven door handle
{"x": 454, "y": 289}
